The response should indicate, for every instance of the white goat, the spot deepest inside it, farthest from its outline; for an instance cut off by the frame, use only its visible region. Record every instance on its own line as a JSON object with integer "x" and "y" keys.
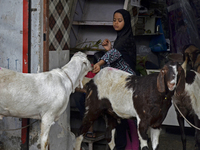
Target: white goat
{"x": 42, "y": 96}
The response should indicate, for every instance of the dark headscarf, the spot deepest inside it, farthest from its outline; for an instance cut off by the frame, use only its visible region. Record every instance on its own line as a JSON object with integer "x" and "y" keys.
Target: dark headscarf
{"x": 125, "y": 42}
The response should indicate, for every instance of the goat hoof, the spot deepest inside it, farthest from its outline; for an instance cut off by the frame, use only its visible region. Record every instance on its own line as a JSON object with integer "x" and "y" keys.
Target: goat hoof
{"x": 145, "y": 148}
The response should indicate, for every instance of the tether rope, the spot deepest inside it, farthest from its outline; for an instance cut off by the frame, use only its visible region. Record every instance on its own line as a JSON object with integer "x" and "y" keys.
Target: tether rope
{"x": 185, "y": 117}
{"x": 19, "y": 128}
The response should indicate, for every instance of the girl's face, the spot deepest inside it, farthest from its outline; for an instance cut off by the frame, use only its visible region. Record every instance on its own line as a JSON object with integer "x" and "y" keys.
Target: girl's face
{"x": 118, "y": 21}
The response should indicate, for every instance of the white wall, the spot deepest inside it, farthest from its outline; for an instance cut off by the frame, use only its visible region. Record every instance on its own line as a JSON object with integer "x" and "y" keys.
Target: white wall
{"x": 60, "y": 136}
{"x": 11, "y": 26}
{"x": 11, "y": 34}
{"x": 11, "y": 21}
{"x": 37, "y": 36}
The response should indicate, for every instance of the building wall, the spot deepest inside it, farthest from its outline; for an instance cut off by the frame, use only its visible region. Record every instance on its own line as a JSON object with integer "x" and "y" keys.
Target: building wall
{"x": 59, "y": 22}
{"x": 59, "y": 25}
{"x": 11, "y": 58}
{"x": 37, "y": 36}
{"x": 11, "y": 34}
{"x": 11, "y": 31}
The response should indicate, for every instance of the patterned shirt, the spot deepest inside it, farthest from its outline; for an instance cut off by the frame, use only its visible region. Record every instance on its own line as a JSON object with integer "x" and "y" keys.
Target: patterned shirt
{"x": 113, "y": 58}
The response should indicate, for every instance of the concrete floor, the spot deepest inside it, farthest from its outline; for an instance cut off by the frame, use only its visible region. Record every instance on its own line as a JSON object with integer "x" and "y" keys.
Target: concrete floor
{"x": 170, "y": 139}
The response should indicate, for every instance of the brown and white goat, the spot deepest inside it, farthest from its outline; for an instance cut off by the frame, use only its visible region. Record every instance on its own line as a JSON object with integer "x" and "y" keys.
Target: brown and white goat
{"x": 188, "y": 102}
{"x": 118, "y": 94}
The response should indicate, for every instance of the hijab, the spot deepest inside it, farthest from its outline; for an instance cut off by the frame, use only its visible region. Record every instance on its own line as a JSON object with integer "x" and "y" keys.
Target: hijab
{"x": 125, "y": 42}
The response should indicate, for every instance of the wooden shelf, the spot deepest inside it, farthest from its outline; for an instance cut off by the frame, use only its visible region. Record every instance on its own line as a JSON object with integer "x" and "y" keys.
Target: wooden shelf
{"x": 141, "y": 16}
{"x": 81, "y": 49}
{"x": 93, "y": 20}
{"x": 148, "y": 34}
{"x": 93, "y": 23}
{"x": 88, "y": 52}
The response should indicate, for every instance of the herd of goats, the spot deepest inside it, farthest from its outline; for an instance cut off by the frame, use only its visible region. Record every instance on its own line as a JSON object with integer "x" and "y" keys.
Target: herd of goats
{"x": 116, "y": 94}
{"x": 112, "y": 93}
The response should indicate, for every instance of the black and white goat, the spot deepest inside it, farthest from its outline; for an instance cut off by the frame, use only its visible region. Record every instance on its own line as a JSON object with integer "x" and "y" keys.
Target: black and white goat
{"x": 42, "y": 96}
{"x": 118, "y": 94}
{"x": 188, "y": 102}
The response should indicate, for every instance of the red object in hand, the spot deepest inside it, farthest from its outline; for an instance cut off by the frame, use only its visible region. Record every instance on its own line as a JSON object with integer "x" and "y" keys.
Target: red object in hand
{"x": 90, "y": 74}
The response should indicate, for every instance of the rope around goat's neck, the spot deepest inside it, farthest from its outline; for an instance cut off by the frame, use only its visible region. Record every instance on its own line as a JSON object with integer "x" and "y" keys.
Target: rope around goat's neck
{"x": 69, "y": 79}
{"x": 185, "y": 117}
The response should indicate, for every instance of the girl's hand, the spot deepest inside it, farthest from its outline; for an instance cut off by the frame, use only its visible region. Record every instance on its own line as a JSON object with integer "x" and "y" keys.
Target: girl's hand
{"x": 106, "y": 44}
{"x": 96, "y": 68}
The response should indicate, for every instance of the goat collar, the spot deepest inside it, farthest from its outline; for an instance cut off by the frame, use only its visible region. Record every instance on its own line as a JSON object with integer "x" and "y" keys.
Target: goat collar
{"x": 70, "y": 80}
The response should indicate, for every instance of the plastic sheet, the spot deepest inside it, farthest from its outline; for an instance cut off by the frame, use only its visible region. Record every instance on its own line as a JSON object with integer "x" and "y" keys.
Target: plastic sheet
{"x": 183, "y": 20}
{"x": 158, "y": 43}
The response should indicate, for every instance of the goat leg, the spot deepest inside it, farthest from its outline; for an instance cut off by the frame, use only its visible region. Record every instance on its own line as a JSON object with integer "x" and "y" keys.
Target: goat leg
{"x": 112, "y": 142}
{"x": 181, "y": 125}
{"x": 45, "y": 128}
{"x": 87, "y": 122}
{"x": 82, "y": 131}
{"x": 155, "y": 133}
{"x": 111, "y": 123}
{"x": 197, "y": 133}
{"x": 142, "y": 133}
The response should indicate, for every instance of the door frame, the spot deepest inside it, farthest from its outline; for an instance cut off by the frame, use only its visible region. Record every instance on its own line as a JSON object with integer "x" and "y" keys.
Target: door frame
{"x": 26, "y": 50}
{"x": 45, "y": 35}
{"x": 26, "y": 65}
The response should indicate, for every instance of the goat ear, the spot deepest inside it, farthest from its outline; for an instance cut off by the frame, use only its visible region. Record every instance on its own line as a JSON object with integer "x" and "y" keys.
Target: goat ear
{"x": 160, "y": 81}
{"x": 198, "y": 69}
{"x": 184, "y": 65}
{"x": 196, "y": 64}
{"x": 181, "y": 82}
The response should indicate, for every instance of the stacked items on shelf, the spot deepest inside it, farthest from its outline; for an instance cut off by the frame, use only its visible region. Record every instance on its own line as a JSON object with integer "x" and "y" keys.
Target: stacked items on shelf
{"x": 139, "y": 27}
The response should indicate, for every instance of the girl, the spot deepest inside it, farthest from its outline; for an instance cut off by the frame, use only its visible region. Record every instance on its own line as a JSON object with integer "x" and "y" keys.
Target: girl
{"x": 122, "y": 56}
{"x": 123, "y": 53}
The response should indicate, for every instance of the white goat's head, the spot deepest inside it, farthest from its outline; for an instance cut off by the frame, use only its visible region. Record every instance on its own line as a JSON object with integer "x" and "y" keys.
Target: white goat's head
{"x": 86, "y": 65}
